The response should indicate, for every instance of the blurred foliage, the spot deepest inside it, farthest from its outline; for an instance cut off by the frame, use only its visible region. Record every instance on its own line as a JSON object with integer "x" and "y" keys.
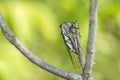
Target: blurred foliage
{"x": 36, "y": 24}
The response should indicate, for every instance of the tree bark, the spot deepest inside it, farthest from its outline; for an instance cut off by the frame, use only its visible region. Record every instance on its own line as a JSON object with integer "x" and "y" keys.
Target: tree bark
{"x": 91, "y": 41}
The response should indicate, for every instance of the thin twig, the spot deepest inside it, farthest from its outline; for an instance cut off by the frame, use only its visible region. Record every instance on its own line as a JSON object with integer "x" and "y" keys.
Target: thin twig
{"x": 80, "y": 51}
{"x": 34, "y": 59}
{"x": 91, "y": 41}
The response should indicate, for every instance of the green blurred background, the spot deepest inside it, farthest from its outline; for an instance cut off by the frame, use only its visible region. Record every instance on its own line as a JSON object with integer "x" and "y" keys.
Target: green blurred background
{"x": 36, "y": 24}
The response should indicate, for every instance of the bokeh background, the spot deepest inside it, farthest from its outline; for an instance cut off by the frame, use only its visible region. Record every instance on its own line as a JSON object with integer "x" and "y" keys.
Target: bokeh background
{"x": 36, "y": 24}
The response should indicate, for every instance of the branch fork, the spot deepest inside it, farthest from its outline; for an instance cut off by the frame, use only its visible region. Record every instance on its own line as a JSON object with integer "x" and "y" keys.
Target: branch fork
{"x": 86, "y": 64}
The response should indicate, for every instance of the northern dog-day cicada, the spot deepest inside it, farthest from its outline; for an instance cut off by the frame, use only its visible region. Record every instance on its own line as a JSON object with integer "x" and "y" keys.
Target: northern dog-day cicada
{"x": 69, "y": 31}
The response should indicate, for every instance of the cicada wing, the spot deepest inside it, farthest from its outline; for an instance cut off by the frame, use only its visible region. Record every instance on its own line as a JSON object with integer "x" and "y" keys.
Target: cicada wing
{"x": 71, "y": 51}
{"x": 74, "y": 59}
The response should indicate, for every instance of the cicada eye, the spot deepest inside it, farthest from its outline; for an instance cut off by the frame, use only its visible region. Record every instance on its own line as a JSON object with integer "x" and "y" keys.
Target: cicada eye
{"x": 67, "y": 24}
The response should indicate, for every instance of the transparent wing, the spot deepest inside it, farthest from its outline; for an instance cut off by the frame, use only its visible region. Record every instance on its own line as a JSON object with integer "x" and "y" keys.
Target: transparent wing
{"x": 74, "y": 60}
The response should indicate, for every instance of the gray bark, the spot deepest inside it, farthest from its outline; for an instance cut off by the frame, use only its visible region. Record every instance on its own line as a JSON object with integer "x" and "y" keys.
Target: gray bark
{"x": 91, "y": 41}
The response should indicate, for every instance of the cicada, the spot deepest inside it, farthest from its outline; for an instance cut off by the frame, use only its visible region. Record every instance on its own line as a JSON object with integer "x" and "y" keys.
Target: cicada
{"x": 70, "y": 34}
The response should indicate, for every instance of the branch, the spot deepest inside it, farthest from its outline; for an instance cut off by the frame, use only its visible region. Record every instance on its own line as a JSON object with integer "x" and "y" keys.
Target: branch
{"x": 81, "y": 56}
{"x": 91, "y": 41}
{"x": 34, "y": 59}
